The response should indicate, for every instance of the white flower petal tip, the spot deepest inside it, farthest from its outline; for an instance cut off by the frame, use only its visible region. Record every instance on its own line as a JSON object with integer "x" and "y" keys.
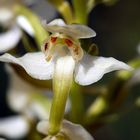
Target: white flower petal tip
{"x": 2, "y": 139}
{"x": 43, "y": 127}
{"x": 58, "y": 22}
{"x": 71, "y": 130}
{"x": 91, "y": 69}
{"x": 25, "y": 25}
{"x": 138, "y": 48}
{"x": 135, "y": 79}
{"x": 14, "y": 127}
{"x": 33, "y": 63}
{"x": 73, "y": 30}
{"x": 5, "y": 15}
{"x": 10, "y": 39}
{"x": 20, "y": 98}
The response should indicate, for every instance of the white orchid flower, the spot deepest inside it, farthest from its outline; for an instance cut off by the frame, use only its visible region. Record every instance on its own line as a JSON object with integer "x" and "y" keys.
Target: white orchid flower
{"x": 64, "y": 42}
{"x": 60, "y": 59}
{"x": 14, "y": 127}
{"x": 69, "y": 131}
{"x": 5, "y": 15}
{"x": 12, "y": 36}
{"x": 24, "y": 98}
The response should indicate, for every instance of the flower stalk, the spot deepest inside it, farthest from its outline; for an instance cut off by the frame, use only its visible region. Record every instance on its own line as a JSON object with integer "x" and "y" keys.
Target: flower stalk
{"x": 62, "y": 81}
{"x": 98, "y": 107}
{"x": 77, "y": 105}
{"x": 64, "y": 9}
{"x": 80, "y": 9}
{"x": 40, "y": 33}
{"x": 66, "y": 12}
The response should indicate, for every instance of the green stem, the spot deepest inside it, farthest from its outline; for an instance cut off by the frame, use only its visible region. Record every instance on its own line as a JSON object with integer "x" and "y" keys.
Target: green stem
{"x": 77, "y": 108}
{"x": 98, "y": 107}
{"x": 56, "y": 2}
{"x": 80, "y": 8}
{"x": 62, "y": 81}
{"x": 125, "y": 75}
{"x": 26, "y": 43}
{"x": 64, "y": 9}
{"x": 90, "y": 5}
{"x": 40, "y": 33}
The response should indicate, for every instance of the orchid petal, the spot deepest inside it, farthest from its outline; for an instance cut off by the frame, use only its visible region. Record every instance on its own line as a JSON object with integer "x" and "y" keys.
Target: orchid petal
{"x": 71, "y": 130}
{"x": 79, "y": 31}
{"x": 10, "y": 39}
{"x": 43, "y": 127}
{"x": 5, "y": 15}
{"x": 33, "y": 63}
{"x": 135, "y": 79}
{"x": 18, "y": 101}
{"x": 14, "y": 127}
{"x": 38, "y": 111}
{"x": 138, "y": 48}
{"x": 25, "y": 25}
{"x": 75, "y": 131}
{"x": 18, "y": 97}
{"x": 58, "y": 22}
{"x": 73, "y": 30}
{"x": 91, "y": 69}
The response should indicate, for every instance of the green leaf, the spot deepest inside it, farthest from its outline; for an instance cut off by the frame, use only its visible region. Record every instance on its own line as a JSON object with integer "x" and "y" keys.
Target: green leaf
{"x": 40, "y": 33}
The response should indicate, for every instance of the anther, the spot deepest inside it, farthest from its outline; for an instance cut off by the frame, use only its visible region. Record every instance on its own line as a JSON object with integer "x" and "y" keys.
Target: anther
{"x": 48, "y": 58}
{"x": 46, "y": 46}
{"x": 53, "y": 39}
{"x": 76, "y": 50}
{"x": 68, "y": 42}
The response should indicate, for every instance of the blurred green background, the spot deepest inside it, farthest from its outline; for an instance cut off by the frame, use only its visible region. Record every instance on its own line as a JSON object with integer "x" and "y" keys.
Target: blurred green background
{"x": 118, "y": 35}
